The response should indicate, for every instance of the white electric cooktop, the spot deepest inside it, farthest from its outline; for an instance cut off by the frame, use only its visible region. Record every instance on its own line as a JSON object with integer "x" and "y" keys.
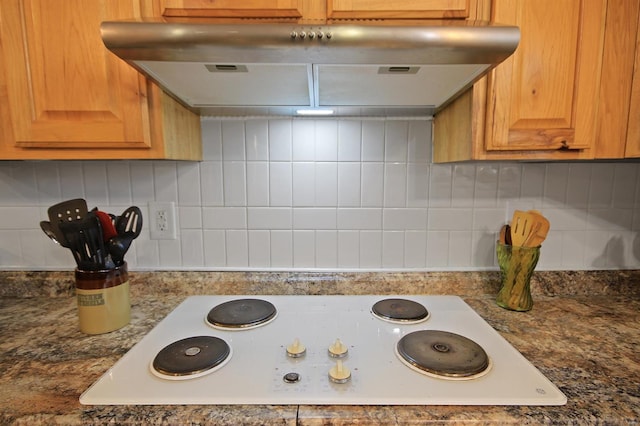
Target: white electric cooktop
{"x": 256, "y": 365}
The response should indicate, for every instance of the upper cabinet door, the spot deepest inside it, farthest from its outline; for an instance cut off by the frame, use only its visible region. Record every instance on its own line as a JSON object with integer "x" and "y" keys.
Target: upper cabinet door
{"x": 64, "y": 89}
{"x": 544, "y": 97}
{"x": 288, "y": 9}
{"x": 398, "y": 9}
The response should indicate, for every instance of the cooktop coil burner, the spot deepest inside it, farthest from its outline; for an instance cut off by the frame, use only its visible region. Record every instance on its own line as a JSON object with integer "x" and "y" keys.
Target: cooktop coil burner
{"x": 241, "y": 314}
{"x": 443, "y": 354}
{"x": 400, "y": 311}
{"x": 191, "y": 357}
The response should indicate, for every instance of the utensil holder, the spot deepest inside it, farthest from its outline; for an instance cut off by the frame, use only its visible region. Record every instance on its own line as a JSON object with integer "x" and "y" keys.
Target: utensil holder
{"x": 516, "y": 267}
{"x": 103, "y": 299}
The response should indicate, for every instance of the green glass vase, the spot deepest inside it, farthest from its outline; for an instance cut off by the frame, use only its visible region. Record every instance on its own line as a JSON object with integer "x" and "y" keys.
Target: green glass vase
{"x": 516, "y": 267}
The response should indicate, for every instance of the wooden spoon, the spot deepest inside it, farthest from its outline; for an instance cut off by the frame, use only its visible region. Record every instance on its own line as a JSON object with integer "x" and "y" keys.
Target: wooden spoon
{"x": 521, "y": 227}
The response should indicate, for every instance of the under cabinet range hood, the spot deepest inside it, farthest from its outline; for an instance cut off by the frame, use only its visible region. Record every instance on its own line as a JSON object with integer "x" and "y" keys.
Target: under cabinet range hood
{"x": 217, "y": 69}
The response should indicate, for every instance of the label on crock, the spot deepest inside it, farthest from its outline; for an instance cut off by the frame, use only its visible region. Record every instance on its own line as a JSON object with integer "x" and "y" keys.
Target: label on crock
{"x": 90, "y": 299}
{"x": 103, "y": 310}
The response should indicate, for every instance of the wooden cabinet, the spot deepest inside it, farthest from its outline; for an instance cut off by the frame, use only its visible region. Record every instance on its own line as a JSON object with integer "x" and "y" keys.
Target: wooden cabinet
{"x": 63, "y": 95}
{"x": 632, "y": 146}
{"x": 308, "y": 11}
{"x": 618, "y": 134}
{"x": 398, "y": 9}
{"x": 540, "y": 103}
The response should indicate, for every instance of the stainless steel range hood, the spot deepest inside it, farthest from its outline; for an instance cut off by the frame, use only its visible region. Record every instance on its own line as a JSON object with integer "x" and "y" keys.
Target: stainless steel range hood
{"x": 281, "y": 68}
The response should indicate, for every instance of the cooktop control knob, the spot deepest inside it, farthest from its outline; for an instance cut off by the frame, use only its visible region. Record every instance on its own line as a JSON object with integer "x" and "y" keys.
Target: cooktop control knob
{"x": 338, "y": 349}
{"x": 339, "y": 373}
{"x": 296, "y": 349}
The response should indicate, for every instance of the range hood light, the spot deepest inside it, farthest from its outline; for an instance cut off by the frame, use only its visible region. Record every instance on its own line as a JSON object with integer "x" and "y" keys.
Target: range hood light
{"x": 314, "y": 111}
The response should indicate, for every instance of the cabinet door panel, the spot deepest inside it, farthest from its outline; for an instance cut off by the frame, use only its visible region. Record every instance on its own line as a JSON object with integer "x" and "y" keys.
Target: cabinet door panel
{"x": 544, "y": 97}
{"x": 397, "y": 9}
{"x": 232, "y": 8}
{"x": 632, "y": 149}
{"x": 64, "y": 89}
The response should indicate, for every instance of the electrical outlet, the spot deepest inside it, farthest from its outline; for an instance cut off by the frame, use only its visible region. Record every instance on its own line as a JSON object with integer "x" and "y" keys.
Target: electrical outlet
{"x": 162, "y": 221}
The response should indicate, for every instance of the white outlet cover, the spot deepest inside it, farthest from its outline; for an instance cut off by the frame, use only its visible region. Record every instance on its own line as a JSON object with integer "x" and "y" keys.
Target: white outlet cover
{"x": 169, "y": 208}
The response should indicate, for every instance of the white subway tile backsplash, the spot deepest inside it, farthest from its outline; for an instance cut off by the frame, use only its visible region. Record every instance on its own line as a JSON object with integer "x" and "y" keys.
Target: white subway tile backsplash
{"x": 348, "y": 184}
{"x": 462, "y": 186}
{"x": 370, "y": 249}
{"x": 460, "y": 245}
{"x": 259, "y": 249}
{"x": 192, "y": 247}
{"x": 314, "y": 218}
{"x": 142, "y": 184}
{"x": 326, "y": 184}
{"x": 349, "y": 140}
{"x": 304, "y": 249}
{"x": 280, "y": 184}
{"x": 326, "y": 249}
{"x": 601, "y": 186}
{"x": 118, "y": 182}
{"x": 234, "y": 183}
{"x": 450, "y": 219}
{"x": 269, "y": 218}
{"x": 396, "y": 141}
{"x": 233, "y": 141}
{"x": 326, "y": 138}
{"x": 211, "y": 140}
{"x": 372, "y": 184}
{"x": 303, "y": 140}
{"x": 224, "y": 218}
{"x": 372, "y": 140}
{"x": 304, "y": 184}
{"x": 624, "y": 185}
{"x": 280, "y": 136}
{"x": 237, "y": 249}
{"x": 415, "y": 249}
{"x": 215, "y": 248}
{"x": 392, "y": 249}
{"x": 417, "y": 185}
{"x": 395, "y": 184}
{"x": 364, "y": 218}
{"x": 419, "y": 143}
{"x": 440, "y": 185}
{"x": 189, "y": 218}
{"x": 437, "y": 249}
{"x": 18, "y": 183}
{"x": 257, "y": 183}
{"x": 188, "y": 184}
{"x": 401, "y": 219}
{"x": 211, "y": 183}
{"x": 348, "y": 249}
{"x": 257, "y": 140}
{"x": 532, "y": 183}
{"x": 345, "y": 194}
{"x": 485, "y": 193}
{"x": 578, "y": 186}
{"x": 72, "y": 181}
{"x": 281, "y": 249}
{"x": 48, "y": 182}
{"x": 166, "y": 181}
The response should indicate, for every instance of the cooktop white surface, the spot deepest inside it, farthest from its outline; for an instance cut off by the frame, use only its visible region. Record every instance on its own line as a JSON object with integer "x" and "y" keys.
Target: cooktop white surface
{"x": 255, "y": 372}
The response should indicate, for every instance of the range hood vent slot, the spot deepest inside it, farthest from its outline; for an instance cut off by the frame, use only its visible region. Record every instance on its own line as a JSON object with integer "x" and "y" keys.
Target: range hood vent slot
{"x": 398, "y": 70}
{"x": 226, "y": 68}
{"x": 217, "y": 69}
